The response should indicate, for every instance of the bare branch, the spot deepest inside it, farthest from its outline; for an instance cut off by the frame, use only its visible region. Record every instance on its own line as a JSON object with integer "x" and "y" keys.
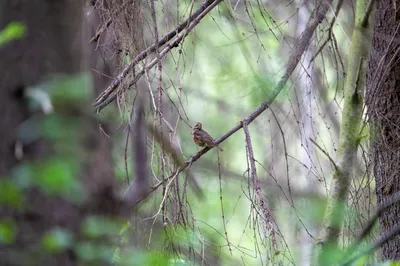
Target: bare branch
{"x": 263, "y": 205}
{"x": 324, "y": 152}
{"x": 97, "y": 36}
{"x": 188, "y": 24}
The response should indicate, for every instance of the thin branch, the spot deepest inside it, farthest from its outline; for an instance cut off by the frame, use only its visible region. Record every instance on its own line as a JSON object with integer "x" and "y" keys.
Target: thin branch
{"x": 375, "y": 217}
{"x": 97, "y": 36}
{"x": 159, "y": 109}
{"x": 330, "y": 30}
{"x": 222, "y": 205}
{"x": 368, "y": 10}
{"x": 325, "y": 152}
{"x": 139, "y": 186}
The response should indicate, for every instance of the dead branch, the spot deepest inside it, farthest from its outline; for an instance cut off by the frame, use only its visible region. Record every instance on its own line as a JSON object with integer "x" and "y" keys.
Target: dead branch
{"x": 256, "y": 182}
{"x": 188, "y": 24}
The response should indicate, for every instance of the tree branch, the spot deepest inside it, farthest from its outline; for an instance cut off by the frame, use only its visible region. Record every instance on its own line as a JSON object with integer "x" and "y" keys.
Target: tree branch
{"x": 102, "y": 100}
{"x": 256, "y": 182}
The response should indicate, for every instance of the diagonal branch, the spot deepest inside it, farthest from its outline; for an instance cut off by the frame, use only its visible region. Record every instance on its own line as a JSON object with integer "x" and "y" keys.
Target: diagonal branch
{"x": 188, "y": 24}
{"x": 300, "y": 48}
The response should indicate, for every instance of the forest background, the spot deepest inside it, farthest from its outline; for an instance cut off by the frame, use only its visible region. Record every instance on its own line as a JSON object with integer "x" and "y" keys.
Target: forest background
{"x": 99, "y": 100}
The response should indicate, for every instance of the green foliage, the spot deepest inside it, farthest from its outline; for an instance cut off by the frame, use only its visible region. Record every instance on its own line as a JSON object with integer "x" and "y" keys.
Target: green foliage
{"x": 10, "y": 194}
{"x": 7, "y": 231}
{"x": 388, "y": 263}
{"x": 57, "y": 176}
{"x": 99, "y": 226}
{"x": 331, "y": 255}
{"x": 13, "y": 31}
{"x": 60, "y": 90}
{"x": 154, "y": 258}
{"x": 65, "y": 132}
{"x": 94, "y": 252}
{"x": 57, "y": 240}
{"x": 65, "y": 89}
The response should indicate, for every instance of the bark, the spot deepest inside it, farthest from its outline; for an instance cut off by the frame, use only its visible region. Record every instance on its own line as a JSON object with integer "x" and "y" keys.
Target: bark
{"x": 53, "y": 44}
{"x": 383, "y": 101}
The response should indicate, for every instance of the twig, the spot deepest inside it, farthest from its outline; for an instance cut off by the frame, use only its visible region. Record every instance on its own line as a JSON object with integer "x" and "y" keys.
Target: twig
{"x": 139, "y": 186}
{"x": 222, "y": 205}
{"x": 325, "y": 152}
{"x": 97, "y": 36}
{"x": 330, "y": 30}
{"x": 368, "y": 10}
{"x": 159, "y": 109}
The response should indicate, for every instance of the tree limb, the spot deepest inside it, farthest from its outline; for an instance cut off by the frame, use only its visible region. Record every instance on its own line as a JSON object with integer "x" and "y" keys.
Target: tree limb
{"x": 205, "y": 8}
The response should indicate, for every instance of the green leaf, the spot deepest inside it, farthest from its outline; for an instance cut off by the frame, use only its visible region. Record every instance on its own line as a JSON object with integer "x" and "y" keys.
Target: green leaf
{"x": 7, "y": 231}
{"x": 70, "y": 88}
{"x": 55, "y": 177}
{"x": 154, "y": 258}
{"x": 57, "y": 240}
{"x": 10, "y": 194}
{"x": 13, "y": 31}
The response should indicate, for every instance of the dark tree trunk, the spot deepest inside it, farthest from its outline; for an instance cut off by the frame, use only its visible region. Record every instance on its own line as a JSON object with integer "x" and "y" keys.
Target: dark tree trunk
{"x": 383, "y": 101}
{"x": 52, "y": 44}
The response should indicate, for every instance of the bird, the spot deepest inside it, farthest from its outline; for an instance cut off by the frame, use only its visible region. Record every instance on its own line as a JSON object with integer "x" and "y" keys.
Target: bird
{"x": 202, "y": 138}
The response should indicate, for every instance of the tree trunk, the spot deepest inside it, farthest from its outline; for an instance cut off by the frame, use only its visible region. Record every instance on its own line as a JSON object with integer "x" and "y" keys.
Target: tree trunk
{"x": 52, "y": 45}
{"x": 383, "y": 101}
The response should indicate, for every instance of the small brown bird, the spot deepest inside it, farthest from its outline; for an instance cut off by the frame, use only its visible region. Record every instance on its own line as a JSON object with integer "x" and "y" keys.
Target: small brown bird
{"x": 202, "y": 138}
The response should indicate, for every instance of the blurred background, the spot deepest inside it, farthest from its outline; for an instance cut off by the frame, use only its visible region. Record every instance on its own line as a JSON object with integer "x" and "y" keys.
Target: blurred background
{"x": 213, "y": 209}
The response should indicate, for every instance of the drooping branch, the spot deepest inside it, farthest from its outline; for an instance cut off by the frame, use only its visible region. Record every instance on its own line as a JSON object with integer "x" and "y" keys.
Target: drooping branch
{"x": 141, "y": 183}
{"x": 189, "y": 23}
{"x": 267, "y": 219}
